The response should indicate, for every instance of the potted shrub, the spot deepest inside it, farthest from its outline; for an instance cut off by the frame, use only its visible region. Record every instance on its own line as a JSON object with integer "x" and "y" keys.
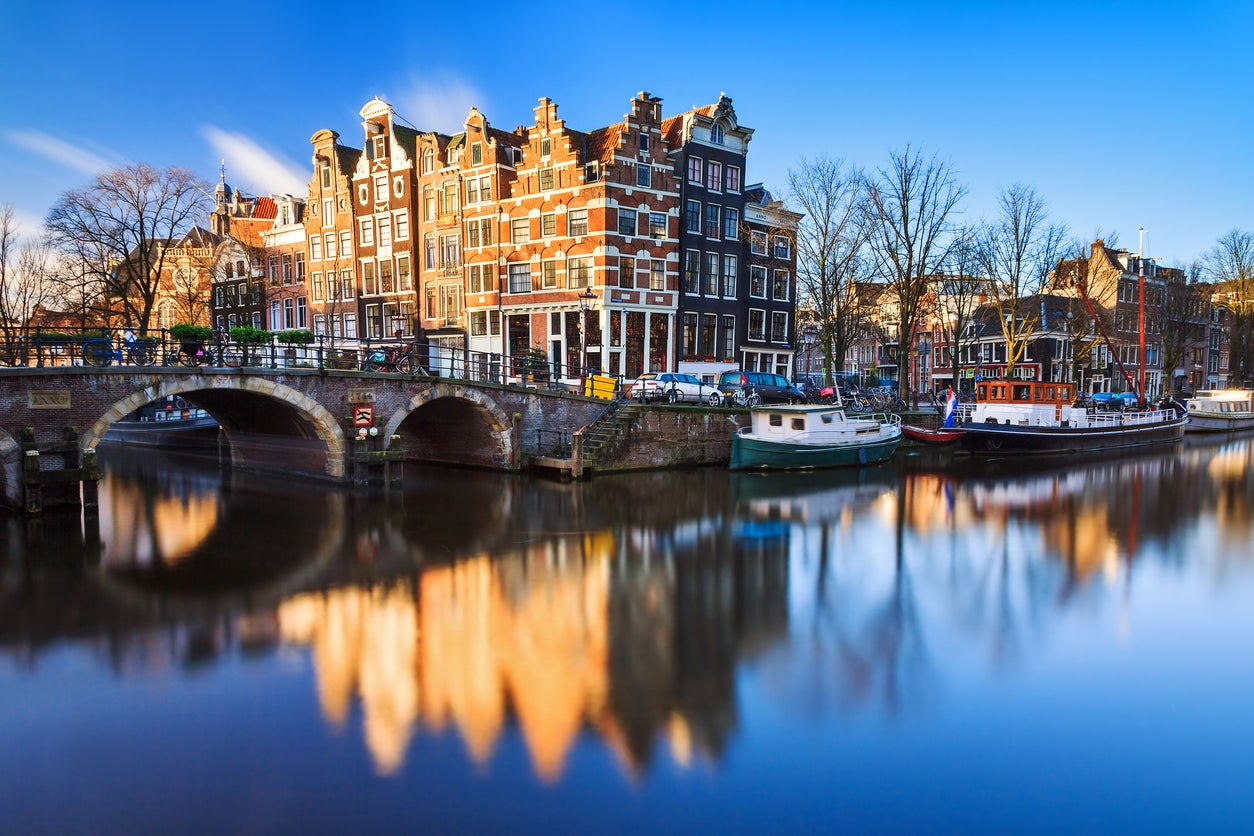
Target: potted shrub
{"x": 299, "y": 336}
{"x": 187, "y": 333}
{"x": 248, "y": 335}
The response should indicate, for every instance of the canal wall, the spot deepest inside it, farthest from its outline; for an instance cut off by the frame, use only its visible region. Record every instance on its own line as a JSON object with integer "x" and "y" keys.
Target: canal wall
{"x": 662, "y": 437}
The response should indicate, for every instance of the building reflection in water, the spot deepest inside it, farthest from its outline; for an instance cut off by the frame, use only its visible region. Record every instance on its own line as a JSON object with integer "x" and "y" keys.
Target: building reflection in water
{"x": 626, "y": 608}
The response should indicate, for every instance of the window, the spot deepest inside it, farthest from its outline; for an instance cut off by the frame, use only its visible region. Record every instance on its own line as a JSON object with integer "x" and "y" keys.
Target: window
{"x": 781, "y": 246}
{"x": 644, "y": 175}
{"x": 288, "y": 272}
{"x": 346, "y": 240}
{"x": 779, "y": 327}
{"x": 485, "y": 227}
{"x": 626, "y": 221}
{"x": 348, "y": 284}
{"x": 731, "y": 223}
{"x": 757, "y": 282}
{"x": 546, "y": 179}
{"x": 477, "y": 278}
{"x": 711, "y": 220}
{"x": 729, "y": 337}
{"x": 579, "y": 271}
{"x": 709, "y": 330}
{"x": 731, "y": 266}
{"x": 657, "y": 274}
{"x": 381, "y": 188}
{"x": 757, "y": 242}
{"x": 450, "y": 252}
{"x": 367, "y": 279}
{"x": 428, "y": 251}
{"x": 403, "y": 279}
{"x": 626, "y": 272}
{"x": 328, "y": 241}
{"x": 779, "y": 287}
{"x": 692, "y": 271}
{"x": 577, "y": 222}
{"x": 733, "y": 178}
{"x": 657, "y": 225}
{"x": 300, "y": 267}
{"x": 472, "y": 190}
{"x": 428, "y": 161}
{"x": 328, "y": 212}
{"x": 711, "y": 274}
{"x": 326, "y": 177}
{"x": 472, "y": 234}
{"x": 692, "y": 216}
{"x": 644, "y": 142}
{"x": 520, "y": 278}
{"x": 757, "y": 324}
{"x": 546, "y": 147}
{"x": 317, "y": 287}
{"x": 695, "y": 167}
{"x": 289, "y": 313}
{"x": 485, "y": 188}
{"x": 385, "y": 231}
{"x": 402, "y": 226}
{"x": 520, "y": 230}
{"x": 476, "y": 153}
{"x": 367, "y": 232}
{"x": 714, "y": 176}
{"x": 548, "y": 225}
{"x": 494, "y": 323}
{"x": 690, "y": 336}
{"x": 428, "y": 204}
{"x": 591, "y": 172}
{"x": 385, "y": 276}
{"x": 548, "y": 274}
{"x": 716, "y": 134}
{"x": 350, "y": 326}
{"x": 479, "y": 324}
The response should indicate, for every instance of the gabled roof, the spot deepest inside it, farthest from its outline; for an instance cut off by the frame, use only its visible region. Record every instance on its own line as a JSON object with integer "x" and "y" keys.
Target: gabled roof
{"x": 603, "y": 142}
{"x": 672, "y": 128}
{"x": 265, "y": 208}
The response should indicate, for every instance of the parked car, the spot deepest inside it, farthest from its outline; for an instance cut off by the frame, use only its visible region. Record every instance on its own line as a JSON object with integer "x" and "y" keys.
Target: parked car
{"x": 674, "y": 387}
{"x": 770, "y": 388}
{"x": 1113, "y": 401}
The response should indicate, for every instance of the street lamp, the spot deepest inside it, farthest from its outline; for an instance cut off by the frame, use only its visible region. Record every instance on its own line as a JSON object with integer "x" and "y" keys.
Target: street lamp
{"x": 586, "y": 301}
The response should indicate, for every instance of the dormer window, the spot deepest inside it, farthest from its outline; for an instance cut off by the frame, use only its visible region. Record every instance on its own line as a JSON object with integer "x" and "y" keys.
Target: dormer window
{"x": 591, "y": 172}
{"x": 379, "y": 147}
{"x": 716, "y": 134}
{"x": 326, "y": 177}
{"x": 644, "y": 143}
{"x": 546, "y": 147}
{"x": 476, "y": 153}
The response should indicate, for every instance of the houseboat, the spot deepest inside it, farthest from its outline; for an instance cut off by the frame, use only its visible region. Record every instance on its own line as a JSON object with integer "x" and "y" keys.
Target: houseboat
{"x": 803, "y": 437}
{"x": 170, "y": 423}
{"x": 1016, "y": 417}
{"x": 1221, "y": 411}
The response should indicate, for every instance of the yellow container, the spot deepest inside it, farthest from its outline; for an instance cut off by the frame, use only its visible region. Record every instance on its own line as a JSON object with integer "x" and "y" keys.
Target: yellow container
{"x": 599, "y": 386}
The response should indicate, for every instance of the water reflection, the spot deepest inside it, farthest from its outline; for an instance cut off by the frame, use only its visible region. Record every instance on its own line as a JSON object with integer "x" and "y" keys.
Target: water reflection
{"x": 626, "y": 608}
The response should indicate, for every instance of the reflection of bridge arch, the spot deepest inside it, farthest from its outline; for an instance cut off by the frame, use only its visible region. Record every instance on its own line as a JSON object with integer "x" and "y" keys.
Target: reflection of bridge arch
{"x": 452, "y": 423}
{"x": 249, "y": 409}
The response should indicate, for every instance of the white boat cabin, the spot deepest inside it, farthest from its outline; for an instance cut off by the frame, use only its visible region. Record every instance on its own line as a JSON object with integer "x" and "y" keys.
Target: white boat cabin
{"x": 808, "y": 423}
{"x": 1025, "y": 403}
{"x": 1222, "y": 401}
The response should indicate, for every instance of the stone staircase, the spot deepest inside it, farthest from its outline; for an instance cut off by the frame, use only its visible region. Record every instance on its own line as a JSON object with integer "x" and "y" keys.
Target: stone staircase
{"x": 604, "y": 436}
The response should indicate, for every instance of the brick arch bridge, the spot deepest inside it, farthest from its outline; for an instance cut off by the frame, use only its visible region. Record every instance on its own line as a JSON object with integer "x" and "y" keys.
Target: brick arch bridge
{"x": 295, "y": 421}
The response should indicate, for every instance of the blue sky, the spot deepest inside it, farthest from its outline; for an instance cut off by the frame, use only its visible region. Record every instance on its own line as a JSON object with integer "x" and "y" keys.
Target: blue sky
{"x": 1122, "y": 115}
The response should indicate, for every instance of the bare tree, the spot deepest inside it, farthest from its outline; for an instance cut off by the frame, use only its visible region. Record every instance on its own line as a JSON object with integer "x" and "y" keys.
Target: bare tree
{"x": 910, "y": 204}
{"x": 960, "y": 290}
{"x": 129, "y": 215}
{"x": 1230, "y": 264}
{"x": 831, "y": 252}
{"x": 1181, "y": 320}
{"x": 24, "y": 286}
{"x": 1018, "y": 251}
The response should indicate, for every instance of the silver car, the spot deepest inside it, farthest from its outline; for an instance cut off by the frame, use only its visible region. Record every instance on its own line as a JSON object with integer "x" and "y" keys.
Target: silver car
{"x": 675, "y": 387}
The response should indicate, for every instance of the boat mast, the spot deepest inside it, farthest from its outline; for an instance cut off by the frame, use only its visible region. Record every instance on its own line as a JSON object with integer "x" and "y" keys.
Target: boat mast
{"x": 1140, "y": 321}
{"x": 1097, "y": 320}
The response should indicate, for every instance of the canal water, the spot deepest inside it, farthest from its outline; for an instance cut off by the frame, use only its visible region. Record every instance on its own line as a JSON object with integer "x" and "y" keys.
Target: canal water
{"x": 933, "y": 645}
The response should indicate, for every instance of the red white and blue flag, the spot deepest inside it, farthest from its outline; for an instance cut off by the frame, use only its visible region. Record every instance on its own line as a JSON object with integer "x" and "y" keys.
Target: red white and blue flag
{"x": 951, "y": 407}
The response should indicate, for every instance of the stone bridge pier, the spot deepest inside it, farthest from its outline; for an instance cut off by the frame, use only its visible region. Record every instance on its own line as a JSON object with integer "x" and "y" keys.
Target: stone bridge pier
{"x": 301, "y": 422}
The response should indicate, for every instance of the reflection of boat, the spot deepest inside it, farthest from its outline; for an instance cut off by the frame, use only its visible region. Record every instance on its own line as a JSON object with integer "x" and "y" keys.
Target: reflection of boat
{"x": 1012, "y": 416}
{"x": 926, "y": 436}
{"x": 169, "y": 423}
{"x": 809, "y": 497}
{"x": 1220, "y": 411}
{"x": 786, "y": 437}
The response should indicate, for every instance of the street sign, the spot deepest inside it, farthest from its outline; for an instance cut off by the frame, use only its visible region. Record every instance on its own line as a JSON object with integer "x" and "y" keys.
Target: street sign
{"x": 363, "y": 416}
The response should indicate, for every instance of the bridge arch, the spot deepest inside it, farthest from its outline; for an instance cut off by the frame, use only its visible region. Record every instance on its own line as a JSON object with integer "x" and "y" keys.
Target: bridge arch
{"x": 249, "y": 409}
{"x": 456, "y": 424}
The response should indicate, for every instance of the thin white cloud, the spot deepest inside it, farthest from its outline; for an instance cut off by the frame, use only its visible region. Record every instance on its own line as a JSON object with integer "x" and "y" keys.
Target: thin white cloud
{"x": 60, "y": 152}
{"x": 29, "y": 225}
{"x": 247, "y": 162}
{"x": 438, "y": 102}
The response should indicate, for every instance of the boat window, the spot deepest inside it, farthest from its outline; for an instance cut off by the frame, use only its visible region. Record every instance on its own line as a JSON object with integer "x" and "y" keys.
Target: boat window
{"x": 798, "y": 423}
{"x": 827, "y": 417}
{"x": 775, "y": 419}
{"x": 1021, "y": 393}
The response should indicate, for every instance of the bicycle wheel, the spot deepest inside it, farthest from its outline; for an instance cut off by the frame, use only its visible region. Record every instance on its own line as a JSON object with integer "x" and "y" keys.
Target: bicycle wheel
{"x": 142, "y": 355}
{"x": 232, "y": 357}
{"x": 98, "y": 352}
{"x": 754, "y": 399}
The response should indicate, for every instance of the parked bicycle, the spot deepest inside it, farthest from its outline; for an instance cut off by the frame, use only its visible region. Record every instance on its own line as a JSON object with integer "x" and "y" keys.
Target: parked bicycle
{"x": 391, "y": 358}
{"x": 746, "y": 397}
{"x": 101, "y": 352}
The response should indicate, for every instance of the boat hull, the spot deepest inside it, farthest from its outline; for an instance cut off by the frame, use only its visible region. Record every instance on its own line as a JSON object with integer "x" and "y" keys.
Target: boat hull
{"x": 750, "y": 453}
{"x": 1218, "y": 422}
{"x": 935, "y": 437}
{"x": 1009, "y": 439}
{"x": 187, "y": 434}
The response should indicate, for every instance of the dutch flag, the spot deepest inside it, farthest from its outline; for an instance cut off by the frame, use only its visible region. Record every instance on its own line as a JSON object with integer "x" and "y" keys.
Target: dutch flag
{"x": 951, "y": 406}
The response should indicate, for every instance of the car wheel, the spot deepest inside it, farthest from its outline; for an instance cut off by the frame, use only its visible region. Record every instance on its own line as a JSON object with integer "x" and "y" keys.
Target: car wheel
{"x": 715, "y": 399}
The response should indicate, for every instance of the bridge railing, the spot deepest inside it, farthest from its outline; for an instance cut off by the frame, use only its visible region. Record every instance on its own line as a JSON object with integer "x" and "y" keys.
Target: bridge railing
{"x": 406, "y": 356}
